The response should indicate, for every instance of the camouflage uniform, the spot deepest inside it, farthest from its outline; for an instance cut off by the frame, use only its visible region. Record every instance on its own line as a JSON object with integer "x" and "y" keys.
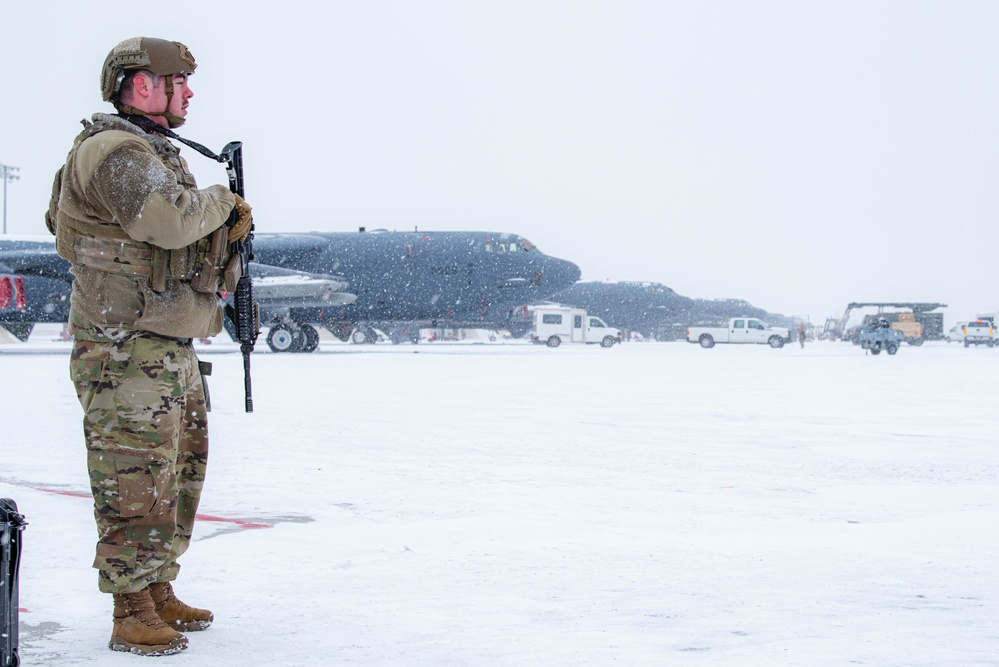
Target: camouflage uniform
{"x": 145, "y": 422}
{"x": 128, "y": 215}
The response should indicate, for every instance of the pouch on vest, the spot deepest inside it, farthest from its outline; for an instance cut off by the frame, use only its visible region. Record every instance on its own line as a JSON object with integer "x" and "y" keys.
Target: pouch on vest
{"x": 207, "y": 276}
{"x": 50, "y": 214}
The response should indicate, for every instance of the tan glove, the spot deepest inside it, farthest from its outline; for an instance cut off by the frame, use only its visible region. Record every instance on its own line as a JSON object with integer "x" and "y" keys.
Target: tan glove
{"x": 244, "y": 220}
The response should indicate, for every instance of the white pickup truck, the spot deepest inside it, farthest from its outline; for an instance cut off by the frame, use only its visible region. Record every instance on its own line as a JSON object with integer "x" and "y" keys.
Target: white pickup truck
{"x": 739, "y": 330}
{"x": 979, "y": 332}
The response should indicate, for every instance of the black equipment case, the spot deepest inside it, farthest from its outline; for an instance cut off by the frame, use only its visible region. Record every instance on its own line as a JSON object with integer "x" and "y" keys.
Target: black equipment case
{"x": 11, "y": 525}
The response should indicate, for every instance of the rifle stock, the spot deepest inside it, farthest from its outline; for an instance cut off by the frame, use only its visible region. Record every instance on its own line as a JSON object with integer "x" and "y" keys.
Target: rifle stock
{"x": 243, "y": 312}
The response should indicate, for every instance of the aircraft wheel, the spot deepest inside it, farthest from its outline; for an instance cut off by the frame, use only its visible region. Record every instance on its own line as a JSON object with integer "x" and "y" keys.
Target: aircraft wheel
{"x": 310, "y": 339}
{"x": 608, "y": 341}
{"x": 518, "y": 329}
{"x": 365, "y": 335}
{"x": 553, "y": 341}
{"x": 282, "y": 339}
{"x": 776, "y": 342}
{"x": 706, "y": 341}
{"x": 891, "y": 348}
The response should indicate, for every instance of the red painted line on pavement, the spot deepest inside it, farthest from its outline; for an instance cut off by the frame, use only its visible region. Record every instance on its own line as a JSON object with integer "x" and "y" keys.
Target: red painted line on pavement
{"x": 248, "y": 525}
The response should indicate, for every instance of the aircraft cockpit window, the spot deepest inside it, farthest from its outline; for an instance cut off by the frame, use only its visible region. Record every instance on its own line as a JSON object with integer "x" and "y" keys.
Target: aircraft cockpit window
{"x": 504, "y": 246}
{"x": 520, "y": 245}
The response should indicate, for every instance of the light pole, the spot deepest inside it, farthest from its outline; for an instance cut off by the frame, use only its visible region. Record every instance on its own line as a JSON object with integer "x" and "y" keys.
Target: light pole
{"x": 7, "y": 173}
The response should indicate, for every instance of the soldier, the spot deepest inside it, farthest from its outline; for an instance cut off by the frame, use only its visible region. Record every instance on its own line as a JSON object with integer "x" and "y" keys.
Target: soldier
{"x": 128, "y": 215}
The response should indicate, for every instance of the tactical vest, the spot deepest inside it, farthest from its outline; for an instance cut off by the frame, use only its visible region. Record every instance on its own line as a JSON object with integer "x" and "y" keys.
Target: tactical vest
{"x": 107, "y": 247}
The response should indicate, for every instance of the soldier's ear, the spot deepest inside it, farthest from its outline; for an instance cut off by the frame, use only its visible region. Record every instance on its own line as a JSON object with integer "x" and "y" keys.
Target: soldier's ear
{"x": 142, "y": 84}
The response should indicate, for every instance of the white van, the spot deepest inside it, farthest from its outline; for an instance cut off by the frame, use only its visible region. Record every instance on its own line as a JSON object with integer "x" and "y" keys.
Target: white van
{"x": 554, "y": 325}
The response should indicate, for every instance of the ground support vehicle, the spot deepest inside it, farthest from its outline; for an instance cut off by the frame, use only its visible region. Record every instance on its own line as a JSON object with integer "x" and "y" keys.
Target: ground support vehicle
{"x": 956, "y": 333}
{"x": 918, "y": 324}
{"x": 980, "y": 332}
{"x": 881, "y": 338}
{"x": 739, "y": 330}
{"x": 912, "y": 331}
{"x": 555, "y": 324}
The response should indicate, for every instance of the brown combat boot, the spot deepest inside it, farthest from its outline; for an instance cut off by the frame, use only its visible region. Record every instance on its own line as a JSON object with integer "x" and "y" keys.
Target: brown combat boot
{"x": 175, "y": 613}
{"x": 137, "y": 628}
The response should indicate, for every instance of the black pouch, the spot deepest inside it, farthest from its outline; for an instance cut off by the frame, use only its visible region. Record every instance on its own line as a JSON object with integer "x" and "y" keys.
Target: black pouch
{"x": 205, "y": 367}
{"x": 11, "y": 525}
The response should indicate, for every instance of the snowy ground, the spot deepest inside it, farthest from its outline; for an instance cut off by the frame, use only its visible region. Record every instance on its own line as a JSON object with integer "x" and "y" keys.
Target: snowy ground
{"x": 506, "y": 504}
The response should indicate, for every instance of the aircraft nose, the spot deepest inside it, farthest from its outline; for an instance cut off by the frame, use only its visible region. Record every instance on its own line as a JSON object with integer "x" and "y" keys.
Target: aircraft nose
{"x": 558, "y": 274}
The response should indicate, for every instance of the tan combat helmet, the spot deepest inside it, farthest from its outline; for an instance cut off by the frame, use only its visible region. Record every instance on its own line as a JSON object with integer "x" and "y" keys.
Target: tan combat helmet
{"x": 159, "y": 56}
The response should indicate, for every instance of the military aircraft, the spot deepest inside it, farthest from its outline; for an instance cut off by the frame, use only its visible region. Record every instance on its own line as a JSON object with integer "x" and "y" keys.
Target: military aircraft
{"x": 653, "y": 309}
{"x": 408, "y": 280}
{"x": 395, "y": 282}
{"x": 33, "y": 287}
{"x": 41, "y": 284}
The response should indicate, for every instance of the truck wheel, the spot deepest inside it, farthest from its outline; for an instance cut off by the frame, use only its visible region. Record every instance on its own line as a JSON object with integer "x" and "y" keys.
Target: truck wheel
{"x": 776, "y": 342}
{"x": 891, "y": 348}
{"x": 706, "y": 341}
{"x": 876, "y": 348}
{"x": 553, "y": 341}
{"x": 608, "y": 341}
{"x": 966, "y": 343}
{"x": 990, "y": 343}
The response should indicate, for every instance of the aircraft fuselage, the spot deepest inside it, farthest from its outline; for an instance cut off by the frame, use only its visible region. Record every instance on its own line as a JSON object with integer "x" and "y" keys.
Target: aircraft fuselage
{"x": 443, "y": 277}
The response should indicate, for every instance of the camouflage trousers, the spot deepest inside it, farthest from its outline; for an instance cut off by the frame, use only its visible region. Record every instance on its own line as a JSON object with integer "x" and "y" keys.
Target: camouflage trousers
{"x": 146, "y": 427}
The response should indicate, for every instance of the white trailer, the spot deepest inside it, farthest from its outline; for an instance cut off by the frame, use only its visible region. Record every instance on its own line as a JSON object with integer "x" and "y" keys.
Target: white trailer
{"x": 554, "y": 325}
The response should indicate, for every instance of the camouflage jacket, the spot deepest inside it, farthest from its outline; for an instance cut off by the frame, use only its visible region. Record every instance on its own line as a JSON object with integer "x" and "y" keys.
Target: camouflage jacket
{"x": 128, "y": 215}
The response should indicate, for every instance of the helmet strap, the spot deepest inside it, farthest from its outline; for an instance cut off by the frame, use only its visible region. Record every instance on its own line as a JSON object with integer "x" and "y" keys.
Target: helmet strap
{"x": 172, "y": 121}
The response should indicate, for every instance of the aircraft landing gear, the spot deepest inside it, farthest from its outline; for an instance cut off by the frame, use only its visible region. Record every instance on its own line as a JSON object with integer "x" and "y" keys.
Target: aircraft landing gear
{"x": 363, "y": 335}
{"x": 310, "y": 338}
{"x": 292, "y": 337}
{"x": 282, "y": 338}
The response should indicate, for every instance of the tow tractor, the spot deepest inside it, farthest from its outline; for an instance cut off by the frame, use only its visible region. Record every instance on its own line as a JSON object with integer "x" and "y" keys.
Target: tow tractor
{"x": 880, "y": 336}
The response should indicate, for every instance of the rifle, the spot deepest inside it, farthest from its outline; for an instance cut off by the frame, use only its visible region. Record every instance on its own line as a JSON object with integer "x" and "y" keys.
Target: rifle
{"x": 242, "y": 312}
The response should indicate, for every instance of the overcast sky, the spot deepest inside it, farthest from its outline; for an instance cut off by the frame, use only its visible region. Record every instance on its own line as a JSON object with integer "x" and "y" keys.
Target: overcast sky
{"x": 799, "y": 155}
